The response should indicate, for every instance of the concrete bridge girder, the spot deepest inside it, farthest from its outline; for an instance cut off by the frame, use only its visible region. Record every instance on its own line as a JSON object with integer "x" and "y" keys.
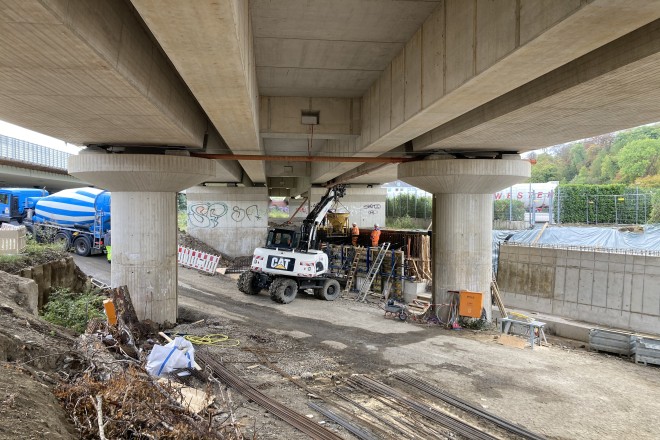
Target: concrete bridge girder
{"x": 87, "y": 72}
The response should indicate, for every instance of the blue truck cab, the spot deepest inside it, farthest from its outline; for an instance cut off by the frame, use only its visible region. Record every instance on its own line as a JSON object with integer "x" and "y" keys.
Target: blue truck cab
{"x": 16, "y": 203}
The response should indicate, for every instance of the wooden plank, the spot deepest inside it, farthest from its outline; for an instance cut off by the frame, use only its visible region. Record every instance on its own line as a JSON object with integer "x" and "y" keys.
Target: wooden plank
{"x": 538, "y": 236}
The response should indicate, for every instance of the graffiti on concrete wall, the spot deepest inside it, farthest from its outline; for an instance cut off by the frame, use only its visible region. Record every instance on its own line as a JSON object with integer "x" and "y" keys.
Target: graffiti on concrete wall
{"x": 372, "y": 208}
{"x": 207, "y": 214}
{"x": 251, "y": 213}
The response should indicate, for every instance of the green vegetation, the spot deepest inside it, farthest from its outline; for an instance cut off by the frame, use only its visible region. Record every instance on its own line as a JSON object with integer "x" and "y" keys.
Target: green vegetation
{"x": 73, "y": 310}
{"x": 626, "y": 157}
{"x": 405, "y": 222}
{"x": 182, "y": 212}
{"x": 408, "y": 205}
{"x": 592, "y": 172}
{"x": 182, "y": 221}
{"x": 181, "y": 202}
{"x": 474, "y": 323}
{"x": 276, "y": 213}
{"x": 35, "y": 253}
{"x": 501, "y": 210}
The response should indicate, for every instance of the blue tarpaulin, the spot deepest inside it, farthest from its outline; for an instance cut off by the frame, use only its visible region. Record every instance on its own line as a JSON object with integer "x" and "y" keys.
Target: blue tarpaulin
{"x": 647, "y": 239}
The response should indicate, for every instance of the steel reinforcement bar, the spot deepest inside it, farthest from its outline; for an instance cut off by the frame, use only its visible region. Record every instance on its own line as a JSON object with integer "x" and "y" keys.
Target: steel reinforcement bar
{"x": 466, "y": 406}
{"x": 353, "y": 429}
{"x": 445, "y": 420}
{"x": 298, "y": 421}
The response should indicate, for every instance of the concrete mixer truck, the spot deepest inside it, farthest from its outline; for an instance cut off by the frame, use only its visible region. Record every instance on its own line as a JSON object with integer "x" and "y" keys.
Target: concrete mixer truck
{"x": 15, "y": 203}
{"x": 78, "y": 218}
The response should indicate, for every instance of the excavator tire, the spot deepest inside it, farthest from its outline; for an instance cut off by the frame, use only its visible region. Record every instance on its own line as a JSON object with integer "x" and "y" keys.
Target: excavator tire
{"x": 331, "y": 290}
{"x": 248, "y": 283}
{"x": 273, "y": 288}
{"x": 285, "y": 291}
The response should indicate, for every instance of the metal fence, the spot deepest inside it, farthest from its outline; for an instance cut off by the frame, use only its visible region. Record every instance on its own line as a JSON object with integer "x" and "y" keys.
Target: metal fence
{"x": 633, "y": 207}
{"x": 27, "y": 152}
{"x": 617, "y": 209}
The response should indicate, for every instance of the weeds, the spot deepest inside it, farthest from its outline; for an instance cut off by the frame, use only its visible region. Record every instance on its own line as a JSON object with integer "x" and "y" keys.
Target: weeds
{"x": 474, "y": 324}
{"x": 73, "y": 310}
{"x": 182, "y": 220}
{"x": 405, "y": 222}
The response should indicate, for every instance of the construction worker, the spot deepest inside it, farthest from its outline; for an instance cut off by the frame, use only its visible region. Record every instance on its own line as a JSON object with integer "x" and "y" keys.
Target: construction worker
{"x": 375, "y": 235}
{"x": 355, "y": 234}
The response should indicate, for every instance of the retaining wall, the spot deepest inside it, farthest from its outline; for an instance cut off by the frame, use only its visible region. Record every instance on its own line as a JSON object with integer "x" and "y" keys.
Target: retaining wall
{"x": 232, "y": 220}
{"x": 58, "y": 273}
{"x": 620, "y": 290}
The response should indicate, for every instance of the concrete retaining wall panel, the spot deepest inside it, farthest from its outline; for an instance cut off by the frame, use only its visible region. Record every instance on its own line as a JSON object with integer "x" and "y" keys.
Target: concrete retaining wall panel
{"x": 232, "y": 220}
{"x": 651, "y": 297}
{"x": 366, "y": 206}
{"x": 615, "y": 290}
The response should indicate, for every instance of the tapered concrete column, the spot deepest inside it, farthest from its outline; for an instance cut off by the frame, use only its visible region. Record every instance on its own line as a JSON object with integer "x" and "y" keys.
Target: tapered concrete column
{"x": 143, "y": 222}
{"x": 462, "y": 231}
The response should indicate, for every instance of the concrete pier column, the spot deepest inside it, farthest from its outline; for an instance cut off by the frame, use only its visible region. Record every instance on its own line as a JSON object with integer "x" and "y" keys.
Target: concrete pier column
{"x": 143, "y": 221}
{"x": 463, "y": 221}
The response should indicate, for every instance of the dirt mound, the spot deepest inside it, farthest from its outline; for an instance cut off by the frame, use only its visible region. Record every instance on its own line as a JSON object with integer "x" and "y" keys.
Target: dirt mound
{"x": 31, "y": 352}
{"x": 193, "y": 243}
{"x": 225, "y": 260}
{"x": 15, "y": 265}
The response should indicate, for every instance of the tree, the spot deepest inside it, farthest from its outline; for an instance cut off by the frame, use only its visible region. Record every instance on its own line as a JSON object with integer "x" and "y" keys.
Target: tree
{"x": 609, "y": 169}
{"x": 578, "y": 158}
{"x": 545, "y": 169}
{"x": 625, "y": 137}
{"x": 639, "y": 158}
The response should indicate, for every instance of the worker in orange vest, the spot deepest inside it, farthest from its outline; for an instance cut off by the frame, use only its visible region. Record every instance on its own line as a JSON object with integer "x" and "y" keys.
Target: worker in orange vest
{"x": 375, "y": 235}
{"x": 355, "y": 234}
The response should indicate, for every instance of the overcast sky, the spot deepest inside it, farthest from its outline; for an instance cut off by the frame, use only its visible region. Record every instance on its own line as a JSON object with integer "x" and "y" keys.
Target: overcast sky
{"x": 17, "y": 132}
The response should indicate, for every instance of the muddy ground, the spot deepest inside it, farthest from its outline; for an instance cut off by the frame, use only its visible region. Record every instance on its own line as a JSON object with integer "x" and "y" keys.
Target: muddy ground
{"x": 310, "y": 348}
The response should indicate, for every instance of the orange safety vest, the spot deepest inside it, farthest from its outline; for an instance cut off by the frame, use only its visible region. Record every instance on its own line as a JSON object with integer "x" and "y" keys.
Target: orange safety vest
{"x": 355, "y": 231}
{"x": 375, "y": 236}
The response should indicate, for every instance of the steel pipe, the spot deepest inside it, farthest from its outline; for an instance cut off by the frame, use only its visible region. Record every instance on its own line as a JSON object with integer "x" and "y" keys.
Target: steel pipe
{"x": 277, "y": 158}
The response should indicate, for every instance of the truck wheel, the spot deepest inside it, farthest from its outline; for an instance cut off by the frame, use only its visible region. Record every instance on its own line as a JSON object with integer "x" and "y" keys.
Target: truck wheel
{"x": 248, "y": 283}
{"x": 286, "y": 291}
{"x": 63, "y": 239}
{"x": 29, "y": 231}
{"x": 82, "y": 246}
{"x": 331, "y": 290}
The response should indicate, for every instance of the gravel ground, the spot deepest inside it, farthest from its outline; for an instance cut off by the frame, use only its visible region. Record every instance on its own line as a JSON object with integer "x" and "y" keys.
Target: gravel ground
{"x": 557, "y": 391}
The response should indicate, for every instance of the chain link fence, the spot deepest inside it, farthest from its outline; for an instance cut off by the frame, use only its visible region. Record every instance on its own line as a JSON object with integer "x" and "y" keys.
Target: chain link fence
{"x": 634, "y": 206}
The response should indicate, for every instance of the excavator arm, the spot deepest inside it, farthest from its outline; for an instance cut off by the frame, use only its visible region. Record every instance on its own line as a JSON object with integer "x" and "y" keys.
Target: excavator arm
{"x": 316, "y": 216}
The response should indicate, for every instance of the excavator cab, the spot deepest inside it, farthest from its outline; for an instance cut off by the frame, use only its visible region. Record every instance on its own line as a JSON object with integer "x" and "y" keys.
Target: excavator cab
{"x": 282, "y": 239}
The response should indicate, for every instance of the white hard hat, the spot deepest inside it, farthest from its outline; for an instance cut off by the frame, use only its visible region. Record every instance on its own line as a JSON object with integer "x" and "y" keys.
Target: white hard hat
{"x": 376, "y": 225}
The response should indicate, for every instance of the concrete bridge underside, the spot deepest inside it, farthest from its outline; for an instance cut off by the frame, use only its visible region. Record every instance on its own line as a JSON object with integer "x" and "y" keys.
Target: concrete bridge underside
{"x": 476, "y": 78}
